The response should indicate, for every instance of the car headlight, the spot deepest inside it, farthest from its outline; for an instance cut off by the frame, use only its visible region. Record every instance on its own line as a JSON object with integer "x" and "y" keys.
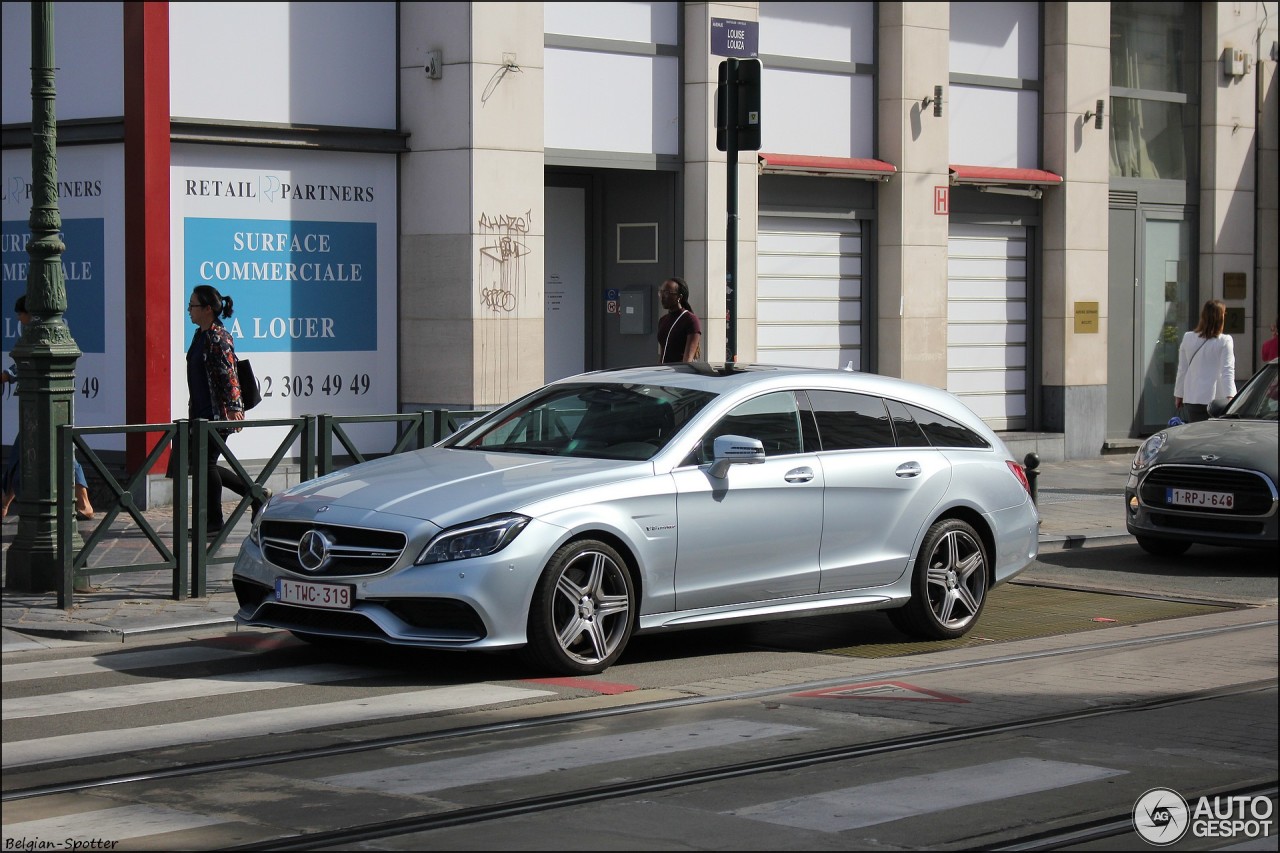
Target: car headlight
{"x": 1149, "y": 450}
{"x": 475, "y": 539}
{"x": 255, "y": 529}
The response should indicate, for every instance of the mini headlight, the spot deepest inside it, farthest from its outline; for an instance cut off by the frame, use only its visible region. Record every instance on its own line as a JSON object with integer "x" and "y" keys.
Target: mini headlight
{"x": 476, "y": 539}
{"x": 1149, "y": 450}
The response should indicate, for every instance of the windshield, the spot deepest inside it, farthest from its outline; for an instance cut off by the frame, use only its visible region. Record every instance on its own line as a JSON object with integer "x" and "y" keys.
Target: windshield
{"x": 603, "y": 421}
{"x": 1258, "y": 399}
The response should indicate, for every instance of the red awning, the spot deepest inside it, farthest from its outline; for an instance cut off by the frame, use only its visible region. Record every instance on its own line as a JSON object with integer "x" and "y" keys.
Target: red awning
{"x": 998, "y": 175}
{"x": 864, "y": 168}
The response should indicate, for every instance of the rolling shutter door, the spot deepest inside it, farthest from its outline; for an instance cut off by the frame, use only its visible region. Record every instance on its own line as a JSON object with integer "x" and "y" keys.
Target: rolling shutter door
{"x": 809, "y": 292}
{"x": 987, "y": 272}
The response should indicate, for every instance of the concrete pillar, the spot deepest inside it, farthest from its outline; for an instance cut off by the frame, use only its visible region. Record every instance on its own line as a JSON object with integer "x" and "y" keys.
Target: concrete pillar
{"x": 471, "y": 243}
{"x": 1229, "y": 176}
{"x": 911, "y": 293}
{"x": 1073, "y": 373}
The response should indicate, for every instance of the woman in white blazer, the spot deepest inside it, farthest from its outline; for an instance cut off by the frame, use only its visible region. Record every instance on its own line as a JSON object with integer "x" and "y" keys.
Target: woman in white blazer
{"x": 1206, "y": 364}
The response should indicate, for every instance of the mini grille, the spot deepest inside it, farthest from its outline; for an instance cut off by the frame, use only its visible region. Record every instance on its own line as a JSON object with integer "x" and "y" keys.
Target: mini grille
{"x": 1254, "y": 493}
{"x": 355, "y": 550}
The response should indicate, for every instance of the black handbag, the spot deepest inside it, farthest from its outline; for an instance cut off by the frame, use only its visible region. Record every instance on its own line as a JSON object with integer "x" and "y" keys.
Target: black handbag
{"x": 250, "y": 393}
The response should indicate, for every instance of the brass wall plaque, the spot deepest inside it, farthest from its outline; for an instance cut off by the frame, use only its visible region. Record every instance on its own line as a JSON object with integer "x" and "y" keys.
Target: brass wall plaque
{"x": 1086, "y": 318}
{"x": 1234, "y": 285}
{"x": 1234, "y": 324}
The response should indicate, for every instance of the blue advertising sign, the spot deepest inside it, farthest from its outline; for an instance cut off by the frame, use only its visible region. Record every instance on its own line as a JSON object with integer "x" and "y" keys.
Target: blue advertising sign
{"x": 298, "y": 286}
{"x": 83, "y": 266}
{"x": 739, "y": 39}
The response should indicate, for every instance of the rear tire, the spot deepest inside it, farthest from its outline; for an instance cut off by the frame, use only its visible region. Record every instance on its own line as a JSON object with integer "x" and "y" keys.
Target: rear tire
{"x": 1163, "y": 547}
{"x": 583, "y": 610}
{"x": 949, "y": 588}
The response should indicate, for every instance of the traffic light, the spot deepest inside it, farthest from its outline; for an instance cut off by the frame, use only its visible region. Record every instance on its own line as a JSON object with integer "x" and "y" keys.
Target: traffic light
{"x": 747, "y": 124}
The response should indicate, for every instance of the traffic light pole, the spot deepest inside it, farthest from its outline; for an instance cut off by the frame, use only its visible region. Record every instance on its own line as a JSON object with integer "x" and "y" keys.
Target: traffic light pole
{"x": 731, "y": 203}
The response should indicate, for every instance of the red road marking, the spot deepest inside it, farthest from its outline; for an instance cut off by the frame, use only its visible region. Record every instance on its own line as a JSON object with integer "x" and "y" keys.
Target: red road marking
{"x": 604, "y": 687}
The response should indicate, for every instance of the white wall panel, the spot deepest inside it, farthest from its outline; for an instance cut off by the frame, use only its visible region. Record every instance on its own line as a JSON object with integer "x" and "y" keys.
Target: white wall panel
{"x": 611, "y": 102}
{"x": 809, "y": 292}
{"x": 808, "y": 112}
{"x": 648, "y": 23}
{"x": 986, "y": 333}
{"x": 88, "y": 51}
{"x": 987, "y": 285}
{"x": 996, "y": 39}
{"x": 823, "y": 336}
{"x": 842, "y": 32}
{"x": 782, "y": 287}
{"x": 286, "y": 63}
{"x": 994, "y": 127}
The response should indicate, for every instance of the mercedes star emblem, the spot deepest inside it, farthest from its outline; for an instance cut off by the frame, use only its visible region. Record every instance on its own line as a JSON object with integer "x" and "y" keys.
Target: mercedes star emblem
{"x": 313, "y": 550}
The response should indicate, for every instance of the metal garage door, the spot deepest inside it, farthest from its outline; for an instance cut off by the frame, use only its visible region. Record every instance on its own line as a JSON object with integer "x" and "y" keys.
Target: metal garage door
{"x": 987, "y": 269}
{"x": 809, "y": 293}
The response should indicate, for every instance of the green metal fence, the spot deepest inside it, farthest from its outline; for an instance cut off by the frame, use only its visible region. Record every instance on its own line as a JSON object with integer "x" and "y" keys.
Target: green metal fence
{"x": 186, "y": 551}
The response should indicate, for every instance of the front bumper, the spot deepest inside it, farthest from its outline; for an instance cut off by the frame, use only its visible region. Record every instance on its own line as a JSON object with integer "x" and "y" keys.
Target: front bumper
{"x": 478, "y": 603}
{"x": 1254, "y": 522}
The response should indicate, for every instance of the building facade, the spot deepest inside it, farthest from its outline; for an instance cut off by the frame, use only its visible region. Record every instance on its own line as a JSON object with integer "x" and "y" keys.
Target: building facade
{"x": 448, "y": 204}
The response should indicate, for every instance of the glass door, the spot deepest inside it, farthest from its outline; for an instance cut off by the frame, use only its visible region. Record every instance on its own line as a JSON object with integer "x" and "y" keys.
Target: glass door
{"x": 1166, "y": 310}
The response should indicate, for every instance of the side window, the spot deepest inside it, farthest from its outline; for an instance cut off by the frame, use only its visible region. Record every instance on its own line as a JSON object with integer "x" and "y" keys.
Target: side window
{"x": 905, "y": 427}
{"x": 774, "y": 419}
{"x": 850, "y": 421}
{"x": 944, "y": 432}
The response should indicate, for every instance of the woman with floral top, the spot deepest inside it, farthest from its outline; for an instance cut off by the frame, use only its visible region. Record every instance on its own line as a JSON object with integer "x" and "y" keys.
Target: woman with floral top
{"x": 213, "y": 387}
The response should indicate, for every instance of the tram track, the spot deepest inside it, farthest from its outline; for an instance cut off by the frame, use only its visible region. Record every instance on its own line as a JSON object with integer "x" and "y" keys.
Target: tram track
{"x": 198, "y": 769}
{"x": 594, "y": 794}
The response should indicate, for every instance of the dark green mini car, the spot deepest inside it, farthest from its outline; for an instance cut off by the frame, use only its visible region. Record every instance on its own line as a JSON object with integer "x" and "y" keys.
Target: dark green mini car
{"x": 1212, "y": 482}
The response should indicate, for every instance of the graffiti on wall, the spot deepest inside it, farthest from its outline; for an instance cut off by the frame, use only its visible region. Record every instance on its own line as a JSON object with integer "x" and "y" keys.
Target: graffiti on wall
{"x": 502, "y": 269}
{"x": 501, "y": 283}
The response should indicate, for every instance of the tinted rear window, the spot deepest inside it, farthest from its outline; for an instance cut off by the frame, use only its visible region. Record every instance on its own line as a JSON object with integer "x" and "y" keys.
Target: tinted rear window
{"x": 944, "y": 432}
{"x": 905, "y": 427}
{"x": 850, "y": 421}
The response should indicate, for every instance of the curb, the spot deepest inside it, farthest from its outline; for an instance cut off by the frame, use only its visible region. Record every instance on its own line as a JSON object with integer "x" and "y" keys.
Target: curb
{"x": 93, "y": 633}
{"x": 1090, "y": 539}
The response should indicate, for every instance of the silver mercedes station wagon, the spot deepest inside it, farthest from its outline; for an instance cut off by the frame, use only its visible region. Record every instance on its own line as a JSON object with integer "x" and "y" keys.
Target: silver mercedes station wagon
{"x": 652, "y": 499}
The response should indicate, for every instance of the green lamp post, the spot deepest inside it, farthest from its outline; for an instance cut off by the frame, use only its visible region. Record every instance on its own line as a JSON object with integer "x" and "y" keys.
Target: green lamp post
{"x": 46, "y": 354}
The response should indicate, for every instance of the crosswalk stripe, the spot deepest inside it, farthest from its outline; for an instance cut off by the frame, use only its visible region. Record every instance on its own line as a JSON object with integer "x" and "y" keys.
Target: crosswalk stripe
{"x": 257, "y": 723}
{"x": 104, "y": 825}
{"x": 128, "y": 695}
{"x": 122, "y": 662}
{"x": 910, "y": 796}
{"x": 531, "y": 761}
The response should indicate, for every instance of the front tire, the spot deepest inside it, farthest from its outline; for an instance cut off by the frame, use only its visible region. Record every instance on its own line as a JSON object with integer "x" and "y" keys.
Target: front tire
{"x": 949, "y": 588}
{"x": 1163, "y": 547}
{"x": 583, "y": 610}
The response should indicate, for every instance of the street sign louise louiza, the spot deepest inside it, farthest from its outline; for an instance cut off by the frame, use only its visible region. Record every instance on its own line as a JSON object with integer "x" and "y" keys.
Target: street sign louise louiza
{"x": 738, "y": 39}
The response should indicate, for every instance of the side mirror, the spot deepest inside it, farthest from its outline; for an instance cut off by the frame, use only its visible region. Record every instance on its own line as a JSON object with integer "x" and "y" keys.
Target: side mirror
{"x": 734, "y": 450}
{"x": 1218, "y": 407}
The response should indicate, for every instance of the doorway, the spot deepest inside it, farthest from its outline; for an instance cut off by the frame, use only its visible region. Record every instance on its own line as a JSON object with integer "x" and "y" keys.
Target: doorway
{"x": 610, "y": 242}
{"x": 1151, "y": 302}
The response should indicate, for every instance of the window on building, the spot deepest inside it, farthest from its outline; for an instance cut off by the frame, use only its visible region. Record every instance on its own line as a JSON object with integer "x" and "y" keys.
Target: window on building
{"x": 1154, "y": 106}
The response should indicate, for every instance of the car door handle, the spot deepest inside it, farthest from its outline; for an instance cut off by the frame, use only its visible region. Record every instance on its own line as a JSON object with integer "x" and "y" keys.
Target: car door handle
{"x": 908, "y": 469}
{"x": 799, "y": 475}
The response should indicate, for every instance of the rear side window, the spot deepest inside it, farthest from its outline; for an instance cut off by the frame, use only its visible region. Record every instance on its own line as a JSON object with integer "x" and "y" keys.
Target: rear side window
{"x": 850, "y": 421}
{"x": 904, "y": 426}
{"x": 944, "y": 432}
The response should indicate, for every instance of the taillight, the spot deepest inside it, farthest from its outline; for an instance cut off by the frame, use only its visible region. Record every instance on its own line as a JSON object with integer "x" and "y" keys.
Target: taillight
{"x": 1019, "y": 473}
